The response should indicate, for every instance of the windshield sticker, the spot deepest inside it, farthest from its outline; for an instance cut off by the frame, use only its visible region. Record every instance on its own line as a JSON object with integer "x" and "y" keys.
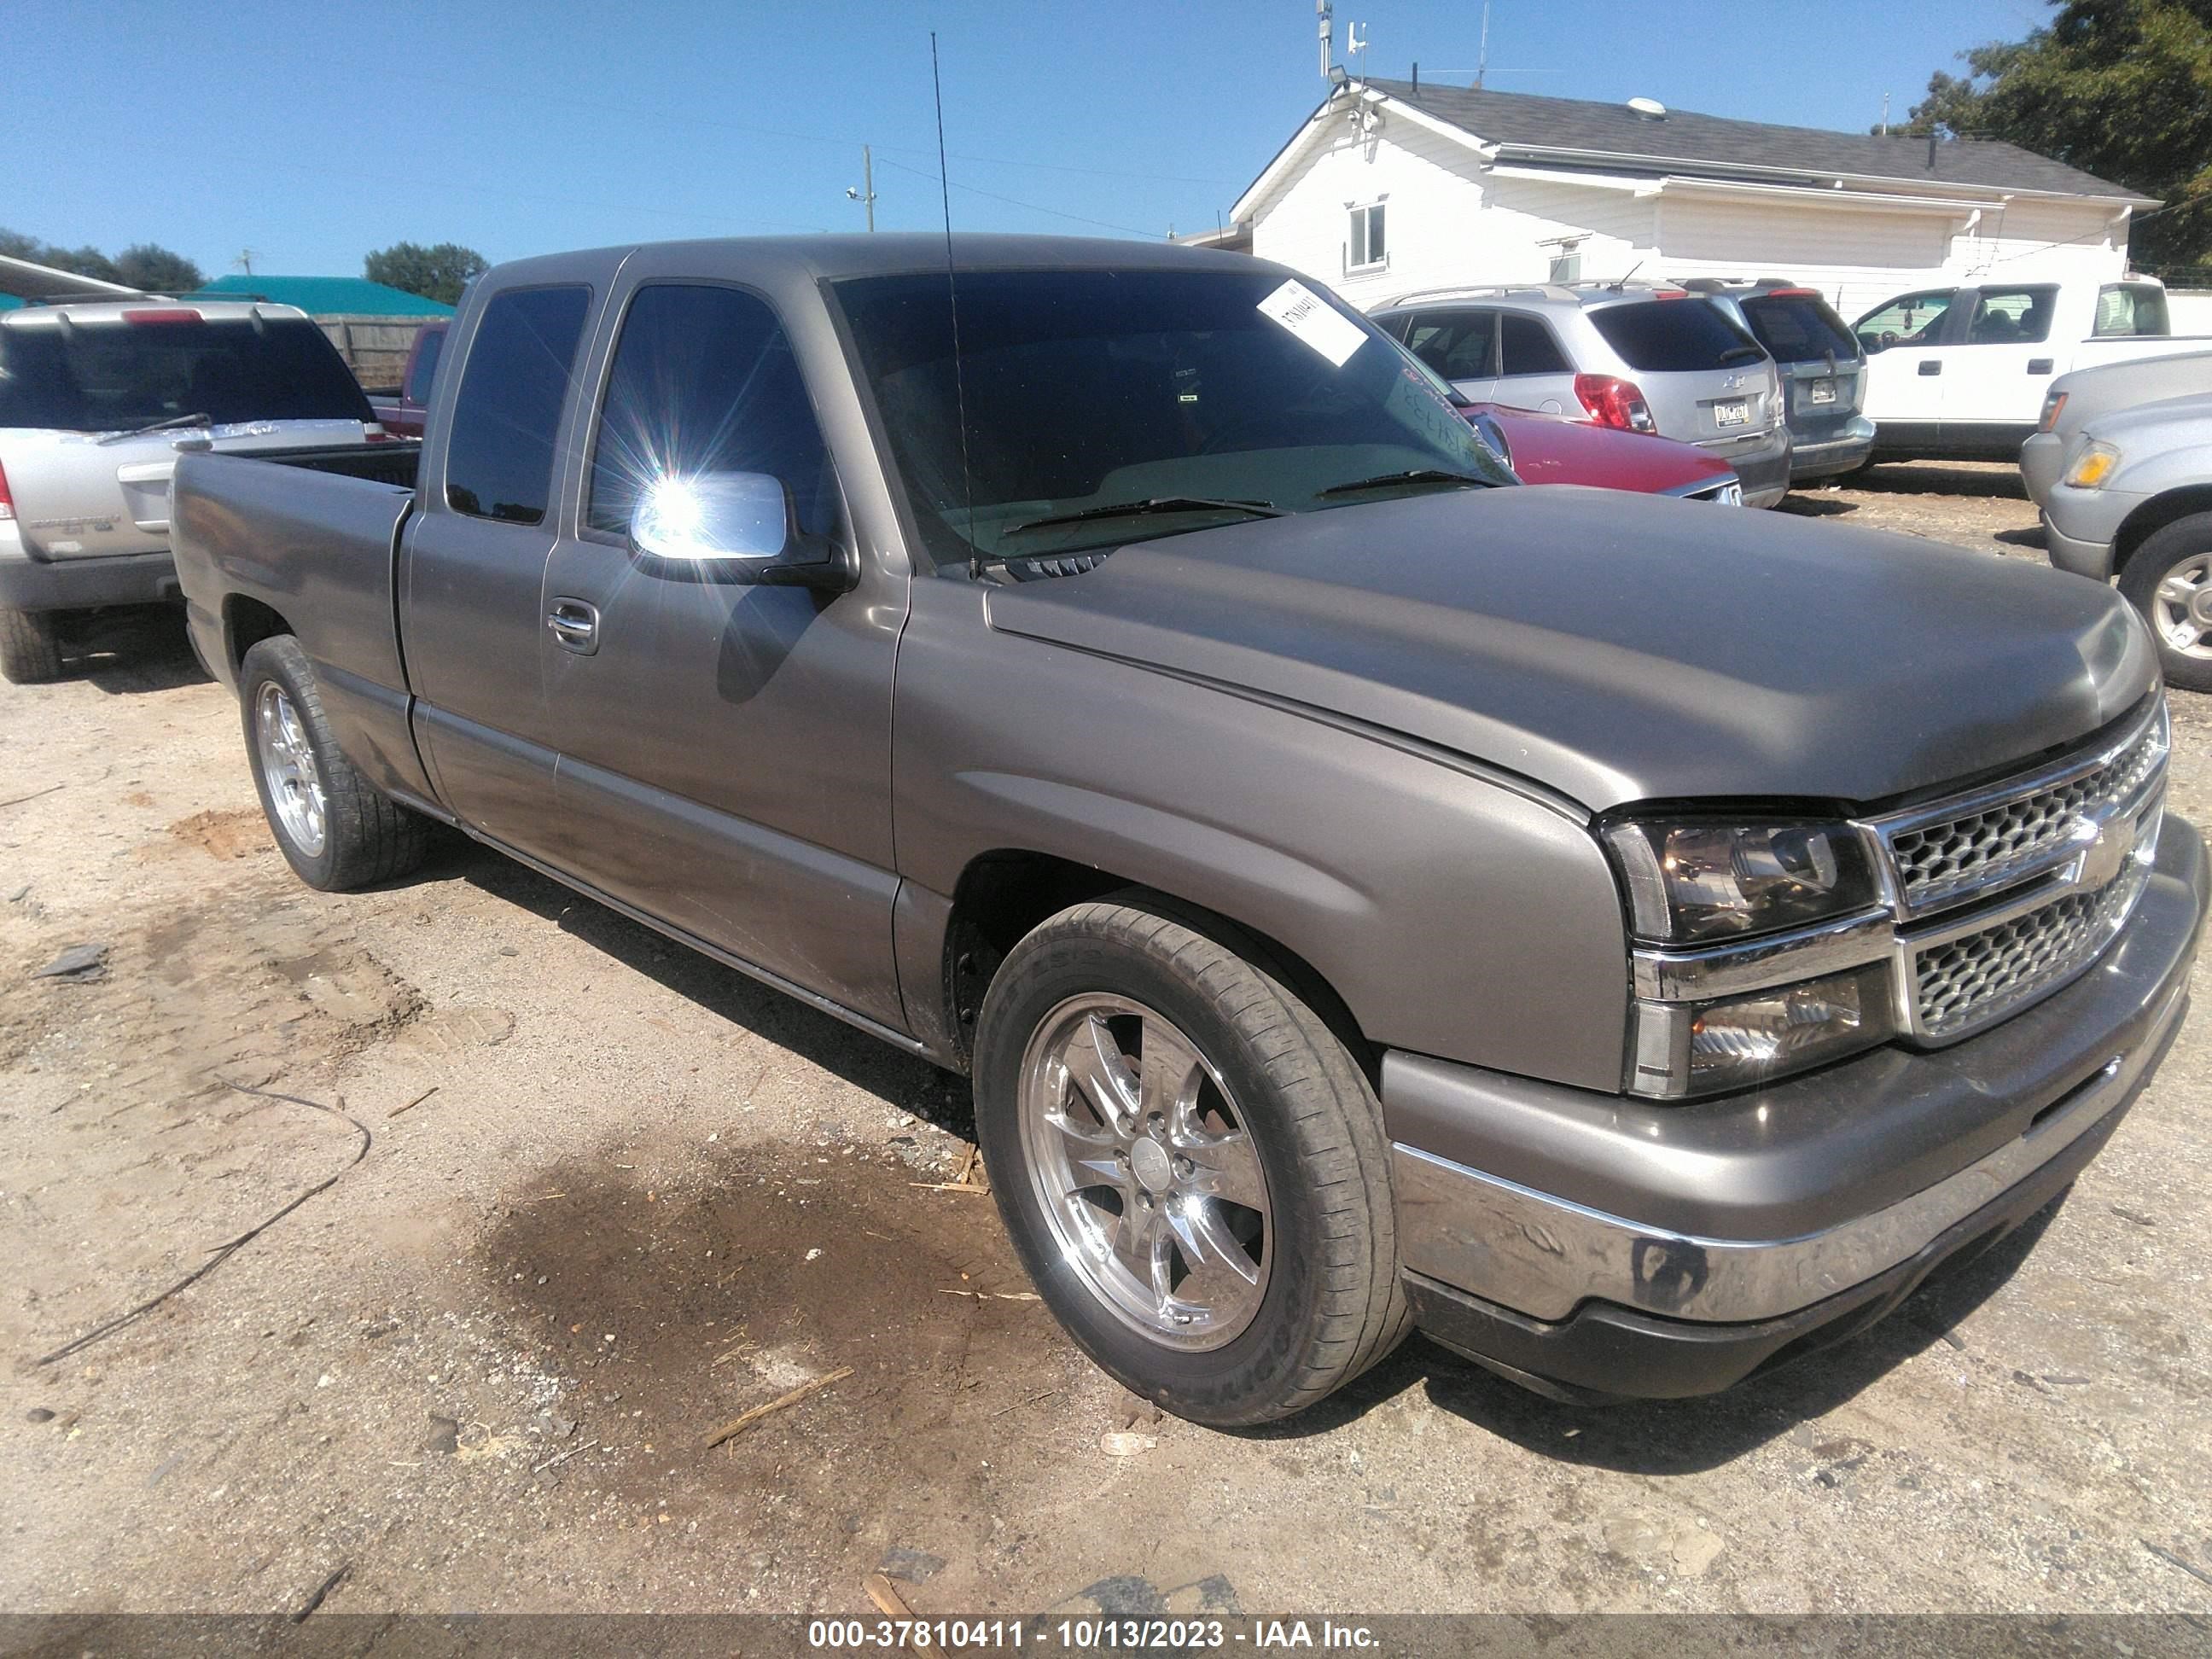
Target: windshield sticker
{"x": 1314, "y": 320}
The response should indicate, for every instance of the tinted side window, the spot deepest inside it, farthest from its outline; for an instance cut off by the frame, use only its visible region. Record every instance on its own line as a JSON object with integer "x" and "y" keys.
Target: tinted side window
{"x": 2011, "y": 316}
{"x": 1798, "y": 328}
{"x": 1663, "y": 337}
{"x": 1525, "y": 346}
{"x": 704, "y": 381}
{"x": 499, "y": 461}
{"x": 1455, "y": 343}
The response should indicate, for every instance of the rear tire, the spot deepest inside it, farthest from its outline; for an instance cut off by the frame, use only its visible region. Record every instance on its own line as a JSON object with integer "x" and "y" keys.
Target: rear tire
{"x": 1281, "y": 1157}
{"x": 2169, "y": 579}
{"x": 30, "y": 646}
{"x": 335, "y": 829}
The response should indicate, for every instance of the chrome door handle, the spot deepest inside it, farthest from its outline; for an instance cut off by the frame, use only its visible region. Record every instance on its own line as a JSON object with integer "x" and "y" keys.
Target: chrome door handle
{"x": 576, "y": 625}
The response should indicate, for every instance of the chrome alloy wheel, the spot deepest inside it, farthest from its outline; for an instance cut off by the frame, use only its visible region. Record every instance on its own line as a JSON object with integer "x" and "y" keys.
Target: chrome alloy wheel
{"x": 287, "y": 762}
{"x": 1145, "y": 1171}
{"x": 2182, "y": 607}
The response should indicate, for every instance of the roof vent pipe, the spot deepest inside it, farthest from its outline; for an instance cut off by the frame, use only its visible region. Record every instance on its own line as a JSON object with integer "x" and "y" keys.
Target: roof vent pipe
{"x": 1647, "y": 109}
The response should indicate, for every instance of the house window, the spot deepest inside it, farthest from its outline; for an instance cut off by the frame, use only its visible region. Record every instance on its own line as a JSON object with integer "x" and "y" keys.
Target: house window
{"x": 1367, "y": 250}
{"x": 1566, "y": 264}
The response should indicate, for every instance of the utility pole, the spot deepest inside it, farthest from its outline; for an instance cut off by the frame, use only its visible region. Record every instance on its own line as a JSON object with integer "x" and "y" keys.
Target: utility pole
{"x": 865, "y": 196}
{"x": 1885, "y": 115}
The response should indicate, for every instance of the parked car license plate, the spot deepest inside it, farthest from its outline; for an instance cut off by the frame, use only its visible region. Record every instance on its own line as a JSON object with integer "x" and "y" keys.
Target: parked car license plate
{"x": 1736, "y": 412}
{"x": 1824, "y": 391}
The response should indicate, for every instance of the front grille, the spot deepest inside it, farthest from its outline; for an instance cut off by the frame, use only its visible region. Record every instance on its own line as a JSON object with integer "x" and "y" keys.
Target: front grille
{"x": 2005, "y": 891}
{"x": 2009, "y": 839}
{"x": 1971, "y": 981}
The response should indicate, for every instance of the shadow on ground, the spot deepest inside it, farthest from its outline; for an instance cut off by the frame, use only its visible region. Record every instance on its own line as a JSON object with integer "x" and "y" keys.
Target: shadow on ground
{"x": 132, "y": 649}
{"x": 900, "y": 1080}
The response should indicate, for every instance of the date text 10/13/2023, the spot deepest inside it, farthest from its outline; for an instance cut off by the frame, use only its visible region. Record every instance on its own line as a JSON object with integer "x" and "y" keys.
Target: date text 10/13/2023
{"x": 1089, "y": 1635}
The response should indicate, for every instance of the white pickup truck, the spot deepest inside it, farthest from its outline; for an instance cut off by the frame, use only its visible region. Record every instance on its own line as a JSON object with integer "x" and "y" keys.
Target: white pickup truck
{"x": 1960, "y": 372}
{"x": 96, "y": 401}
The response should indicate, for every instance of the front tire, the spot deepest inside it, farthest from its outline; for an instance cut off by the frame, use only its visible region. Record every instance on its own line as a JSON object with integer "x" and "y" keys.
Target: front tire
{"x": 30, "y": 646}
{"x": 335, "y": 829}
{"x": 2169, "y": 579}
{"x": 1191, "y": 1167}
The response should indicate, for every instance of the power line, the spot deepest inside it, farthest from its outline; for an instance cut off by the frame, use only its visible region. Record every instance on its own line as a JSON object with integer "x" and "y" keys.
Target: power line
{"x": 1033, "y": 207}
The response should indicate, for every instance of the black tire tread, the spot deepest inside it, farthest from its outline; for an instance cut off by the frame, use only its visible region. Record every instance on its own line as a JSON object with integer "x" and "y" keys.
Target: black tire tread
{"x": 30, "y": 646}
{"x": 1345, "y": 1154}
{"x": 369, "y": 837}
{"x": 2139, "y": 579}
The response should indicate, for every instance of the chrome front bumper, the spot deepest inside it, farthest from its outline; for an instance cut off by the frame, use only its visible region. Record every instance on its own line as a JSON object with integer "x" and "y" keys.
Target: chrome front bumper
{"x": 2048, "y": 1078}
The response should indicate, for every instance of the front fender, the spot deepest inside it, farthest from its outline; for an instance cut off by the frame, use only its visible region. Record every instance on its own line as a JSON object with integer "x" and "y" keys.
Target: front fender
{"x": 1456, "y": 911}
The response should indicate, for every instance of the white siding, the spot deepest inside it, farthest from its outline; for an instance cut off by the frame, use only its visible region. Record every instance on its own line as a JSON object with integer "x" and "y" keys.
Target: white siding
{"x": 1450, "y": 221}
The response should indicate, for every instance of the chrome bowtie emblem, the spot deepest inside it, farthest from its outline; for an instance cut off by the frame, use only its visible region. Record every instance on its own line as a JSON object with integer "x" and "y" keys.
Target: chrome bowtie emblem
{"x": 2107, "y": 849}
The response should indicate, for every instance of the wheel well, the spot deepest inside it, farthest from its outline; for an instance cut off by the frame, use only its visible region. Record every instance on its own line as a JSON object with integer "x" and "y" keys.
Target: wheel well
{"x": 2154, "y": 515}
{"x": 247, "y": 623}
{"x": 1002, "y": 894}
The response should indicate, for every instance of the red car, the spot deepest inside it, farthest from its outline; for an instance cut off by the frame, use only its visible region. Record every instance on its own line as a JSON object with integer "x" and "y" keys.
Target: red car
{"x": 1554, "y": 449}
{"x": 402, "y": 415}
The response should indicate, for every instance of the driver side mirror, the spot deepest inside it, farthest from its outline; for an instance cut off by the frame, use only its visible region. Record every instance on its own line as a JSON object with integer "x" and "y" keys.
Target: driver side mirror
{"x": 741, "y": 526}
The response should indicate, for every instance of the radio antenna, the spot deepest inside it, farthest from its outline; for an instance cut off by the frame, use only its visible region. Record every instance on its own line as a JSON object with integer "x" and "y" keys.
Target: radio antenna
{"x": 952, "y": 294}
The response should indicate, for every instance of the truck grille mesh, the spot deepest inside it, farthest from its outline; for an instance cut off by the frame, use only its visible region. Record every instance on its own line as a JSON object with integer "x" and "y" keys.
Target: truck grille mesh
{"x": 1973, "y": 980}
{"x": 1980, "y": 850}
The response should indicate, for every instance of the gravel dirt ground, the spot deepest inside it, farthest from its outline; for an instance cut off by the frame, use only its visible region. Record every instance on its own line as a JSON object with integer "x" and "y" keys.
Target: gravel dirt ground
{"x": 479, "y": 1371}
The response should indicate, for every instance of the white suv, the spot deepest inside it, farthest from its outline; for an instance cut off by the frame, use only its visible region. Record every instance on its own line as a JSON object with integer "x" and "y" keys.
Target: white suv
{"x": 95, "y": 401}
{"x": 1643, "y": 357}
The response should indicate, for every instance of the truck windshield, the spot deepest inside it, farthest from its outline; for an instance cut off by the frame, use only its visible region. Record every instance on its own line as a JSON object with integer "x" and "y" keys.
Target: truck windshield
{"x": 112, "y": 376}
{"x": 1104, "y": 407}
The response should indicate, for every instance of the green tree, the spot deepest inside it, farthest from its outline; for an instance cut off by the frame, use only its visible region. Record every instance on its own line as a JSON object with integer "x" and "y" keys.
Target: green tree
{"x": 84, "y": 261}
{"x": 158, "y": 271}
{"x": 2120, "y": 89}
{"x": 437, "y": 273}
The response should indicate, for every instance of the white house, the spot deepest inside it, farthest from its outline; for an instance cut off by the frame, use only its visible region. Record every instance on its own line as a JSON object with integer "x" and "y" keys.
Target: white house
{"x": 1393, "y": 187}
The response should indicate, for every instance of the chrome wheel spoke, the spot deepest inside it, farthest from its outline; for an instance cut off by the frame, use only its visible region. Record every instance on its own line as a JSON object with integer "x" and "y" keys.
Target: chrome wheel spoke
{"x": 2175, "y": 590}
{"x": 1115, "y": 1097}
{"x": 1226, "y": 1166}
{"x": 1171, "y": 1071}
{"x": 1094, "y": 1061}
{"x": 288, "y": 765}
{"x": 1141, "y": 1246}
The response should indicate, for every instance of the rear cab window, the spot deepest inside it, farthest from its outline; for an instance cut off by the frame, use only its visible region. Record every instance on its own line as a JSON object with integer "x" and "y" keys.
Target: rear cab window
{"x": 704, "y": 380}
{"x": 499, "y": 460}
{"x": 1674, "y": 337}
{"x": 424, "y": 372}
{"x": 160, "y": 363}
{"x": 2131, "y": 308}
{"x": 1797, "y": 328}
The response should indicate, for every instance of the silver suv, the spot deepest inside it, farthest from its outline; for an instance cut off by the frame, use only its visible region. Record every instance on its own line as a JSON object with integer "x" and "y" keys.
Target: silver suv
{"x": 96, "y": 400}
{"x": 1637, "y": 356}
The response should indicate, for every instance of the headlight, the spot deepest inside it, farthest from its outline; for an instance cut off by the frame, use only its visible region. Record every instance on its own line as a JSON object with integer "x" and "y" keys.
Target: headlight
{"x": 2053, "y": 403}
{"x": 1695, "y": 880}
{"x": 2093, "y": 465}
{"x": 1703, "y": 1048}
{"x": 1760, "y": 948}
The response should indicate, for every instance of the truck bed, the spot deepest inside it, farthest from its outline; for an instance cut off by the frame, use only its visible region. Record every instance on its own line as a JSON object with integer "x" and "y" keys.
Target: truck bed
{"x": 303, "y": 542}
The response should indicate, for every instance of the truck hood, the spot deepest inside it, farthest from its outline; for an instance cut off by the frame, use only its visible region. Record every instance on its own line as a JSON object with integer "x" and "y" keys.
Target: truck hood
{"x": 1618, "y": 648}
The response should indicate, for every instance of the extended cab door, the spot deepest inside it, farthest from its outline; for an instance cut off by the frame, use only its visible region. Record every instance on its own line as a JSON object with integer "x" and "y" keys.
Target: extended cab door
{"x": 724, "y": 759}
{"x": 473, "y": 568}
{"x": 1998, "y": 370}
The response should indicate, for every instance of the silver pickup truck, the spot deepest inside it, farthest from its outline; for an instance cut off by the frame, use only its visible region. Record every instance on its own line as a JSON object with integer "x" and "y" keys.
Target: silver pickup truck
{"x": 96, "y": 400}
{"x": 1364, "y": 893}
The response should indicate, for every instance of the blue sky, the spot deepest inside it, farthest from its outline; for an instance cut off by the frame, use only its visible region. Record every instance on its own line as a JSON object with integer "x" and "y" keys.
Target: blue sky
{"x": 312, "y": 133}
